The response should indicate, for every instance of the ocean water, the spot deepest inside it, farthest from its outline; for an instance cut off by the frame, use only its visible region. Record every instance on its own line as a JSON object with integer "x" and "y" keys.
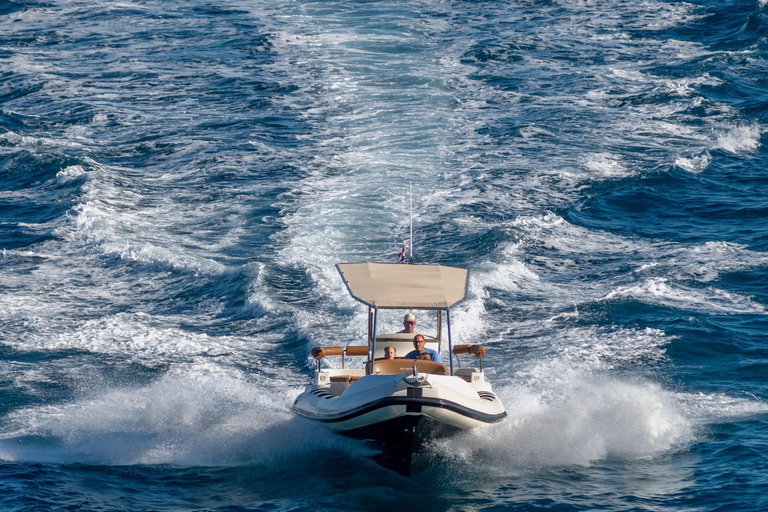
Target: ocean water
{"x": 178, "y": 179}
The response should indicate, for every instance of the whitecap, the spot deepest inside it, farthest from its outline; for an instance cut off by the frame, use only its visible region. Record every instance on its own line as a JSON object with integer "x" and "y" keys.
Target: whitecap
{"x": 695, "y": 164}
{"x": 605, "y": 165}
{"x": 740, "y": 139}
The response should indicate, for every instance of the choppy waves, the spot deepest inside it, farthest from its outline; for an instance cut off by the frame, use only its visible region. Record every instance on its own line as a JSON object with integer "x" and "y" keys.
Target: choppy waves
{"x": 178, "y": 181}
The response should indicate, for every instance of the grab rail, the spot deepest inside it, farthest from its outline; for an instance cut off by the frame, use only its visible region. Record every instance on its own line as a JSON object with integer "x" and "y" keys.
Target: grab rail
{"x": 354, "y": 350}
{"x": 477, "y": 350}
{"x": 361, "y": 350}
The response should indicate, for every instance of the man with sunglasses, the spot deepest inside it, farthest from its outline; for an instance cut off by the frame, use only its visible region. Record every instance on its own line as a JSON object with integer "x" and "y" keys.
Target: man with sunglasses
{"x": 409, "y": 324}
{"x": 421, "y": 352}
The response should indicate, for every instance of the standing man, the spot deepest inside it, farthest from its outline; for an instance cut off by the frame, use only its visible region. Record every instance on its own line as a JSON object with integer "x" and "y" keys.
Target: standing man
{"x": 419, "y": 343}
{"x": 409, "y": 324}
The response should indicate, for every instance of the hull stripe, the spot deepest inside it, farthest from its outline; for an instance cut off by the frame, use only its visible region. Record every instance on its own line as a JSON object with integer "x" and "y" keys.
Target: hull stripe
{"x": 409, "y": 403}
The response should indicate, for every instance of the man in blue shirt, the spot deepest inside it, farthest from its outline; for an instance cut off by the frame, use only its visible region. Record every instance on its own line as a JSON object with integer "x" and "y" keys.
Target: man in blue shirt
{"x": 419, "y": 343}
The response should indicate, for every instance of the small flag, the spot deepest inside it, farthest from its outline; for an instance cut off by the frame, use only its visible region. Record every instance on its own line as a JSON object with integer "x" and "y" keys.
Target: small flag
{"x": 401, "y": 255}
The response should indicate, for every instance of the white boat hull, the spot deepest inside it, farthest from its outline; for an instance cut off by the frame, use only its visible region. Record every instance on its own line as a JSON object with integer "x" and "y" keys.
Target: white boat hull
{"x": 400, "y": 411}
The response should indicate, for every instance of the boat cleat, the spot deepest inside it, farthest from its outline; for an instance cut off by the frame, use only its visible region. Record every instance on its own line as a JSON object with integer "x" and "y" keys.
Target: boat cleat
{"x": 416, "y": 379}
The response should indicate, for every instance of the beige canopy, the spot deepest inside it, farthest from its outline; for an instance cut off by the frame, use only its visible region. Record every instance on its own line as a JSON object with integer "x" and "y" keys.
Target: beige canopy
{"x": 400, "y": 286}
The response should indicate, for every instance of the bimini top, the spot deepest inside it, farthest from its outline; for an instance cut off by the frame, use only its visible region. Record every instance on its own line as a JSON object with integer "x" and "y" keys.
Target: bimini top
{"x": 400, "y": 286}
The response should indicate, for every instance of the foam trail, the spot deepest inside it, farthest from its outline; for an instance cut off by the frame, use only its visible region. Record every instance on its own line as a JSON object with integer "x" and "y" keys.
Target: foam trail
{"x": 574, "y": 418}
{"x": 199, "y": 414}
{"x": 659, "y": 291}
{"x": 707, "y": 408}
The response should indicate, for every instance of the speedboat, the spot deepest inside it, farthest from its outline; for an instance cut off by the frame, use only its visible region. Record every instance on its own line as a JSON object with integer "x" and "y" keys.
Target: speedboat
{"x": 401, "y": 404}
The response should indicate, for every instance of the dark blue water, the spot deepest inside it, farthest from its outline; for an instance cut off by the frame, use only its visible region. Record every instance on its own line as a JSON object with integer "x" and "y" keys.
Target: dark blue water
{"x": 177, "y": 180}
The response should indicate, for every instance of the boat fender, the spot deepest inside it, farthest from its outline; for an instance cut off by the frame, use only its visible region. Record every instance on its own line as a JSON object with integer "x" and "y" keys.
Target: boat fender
{"x": 477, "y": 350}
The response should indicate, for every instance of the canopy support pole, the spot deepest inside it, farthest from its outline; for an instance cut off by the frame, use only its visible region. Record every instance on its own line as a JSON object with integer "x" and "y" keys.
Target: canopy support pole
{"x": 370, "y": 324}
{"x": 372, "y": 344}
{"x": 439, "y": 329}
{"x": 450, "y": 342}
{"x": 410, "y": 199}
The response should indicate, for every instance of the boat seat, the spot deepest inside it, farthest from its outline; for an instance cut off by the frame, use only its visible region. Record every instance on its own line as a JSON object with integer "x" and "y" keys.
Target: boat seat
{"x": 393, "y": 366}
{"x": 347, "y": 378}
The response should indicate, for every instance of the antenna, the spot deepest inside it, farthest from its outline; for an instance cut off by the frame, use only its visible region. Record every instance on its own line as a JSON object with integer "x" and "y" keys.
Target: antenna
{"x": 410, "y": 198}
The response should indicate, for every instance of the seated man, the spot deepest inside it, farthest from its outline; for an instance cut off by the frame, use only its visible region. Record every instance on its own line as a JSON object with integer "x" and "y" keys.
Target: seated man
{"x": 419, "y": 343}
